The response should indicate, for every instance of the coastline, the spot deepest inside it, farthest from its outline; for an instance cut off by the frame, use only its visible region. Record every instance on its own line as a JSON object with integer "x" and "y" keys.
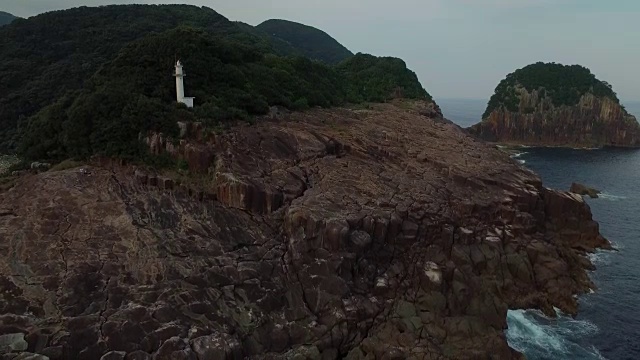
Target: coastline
{"x": 443, "y": 232}
{"x": 601, "y": 326}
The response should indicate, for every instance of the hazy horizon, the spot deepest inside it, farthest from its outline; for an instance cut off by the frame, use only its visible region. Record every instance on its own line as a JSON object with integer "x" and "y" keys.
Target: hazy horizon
{"x": 460, "y": 49}
{"x": 631, "y": 101}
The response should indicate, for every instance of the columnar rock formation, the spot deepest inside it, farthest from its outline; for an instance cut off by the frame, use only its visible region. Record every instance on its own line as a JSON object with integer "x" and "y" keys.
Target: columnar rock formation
{"x": 593, "y": 122}
{"x": 551, "y": 104}
{"x": 370, "y": 234}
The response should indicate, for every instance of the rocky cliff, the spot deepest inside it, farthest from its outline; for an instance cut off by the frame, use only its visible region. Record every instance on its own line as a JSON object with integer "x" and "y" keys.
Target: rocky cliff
{"x": 357, "y": 234}
{"x": 557, "y": 105}
{"x": 594, "y": 122}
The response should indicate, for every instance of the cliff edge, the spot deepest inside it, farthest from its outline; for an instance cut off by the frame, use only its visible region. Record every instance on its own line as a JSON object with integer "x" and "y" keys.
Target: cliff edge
{"x": 354, "y": 234}
{"x": 557, "y": 105}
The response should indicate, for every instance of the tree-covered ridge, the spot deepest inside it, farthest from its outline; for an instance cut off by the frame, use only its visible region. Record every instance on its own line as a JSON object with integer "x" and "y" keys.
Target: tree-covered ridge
{"x": 44, "y": 57}
{"x": 311, "y": 42}
{"x": 231, "y": 80}
{"x": 6, "y": 18}
{"x": 278, "y": 46}
{"x": 370, "y": 78}
{"x": 563, "y": 84}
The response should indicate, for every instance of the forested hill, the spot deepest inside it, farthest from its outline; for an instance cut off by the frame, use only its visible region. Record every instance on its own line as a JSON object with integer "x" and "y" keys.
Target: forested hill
{"x": 278, "y": 46}
{"x": 562, "y": 84}
{"x": 312, "y": 42}
{"x": 93, "y": 79}
{"x": 550, "y": 104}
{"x": 6, "y": 18}
{"x": 43, "y": 57}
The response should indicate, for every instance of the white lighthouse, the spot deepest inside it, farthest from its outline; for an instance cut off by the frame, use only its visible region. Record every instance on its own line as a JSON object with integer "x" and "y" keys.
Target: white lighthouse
{"x": 180, "y": 86}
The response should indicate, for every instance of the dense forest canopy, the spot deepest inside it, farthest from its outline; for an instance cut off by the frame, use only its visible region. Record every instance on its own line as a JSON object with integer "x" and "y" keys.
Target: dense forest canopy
{"x": 312, "y": 43}
{"x": 370, "y": 78}
{"x": 44, "y": 57}
{"x": 6, "y": 18}
{"x": 563, "y": 84}
{"x": 232, "y": 78}
{"x": 277, "y": 45}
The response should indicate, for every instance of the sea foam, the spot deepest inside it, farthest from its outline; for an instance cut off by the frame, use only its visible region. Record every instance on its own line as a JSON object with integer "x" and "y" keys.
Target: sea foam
{"x": 541, "y": 337}
{"x": 611, "y": 197}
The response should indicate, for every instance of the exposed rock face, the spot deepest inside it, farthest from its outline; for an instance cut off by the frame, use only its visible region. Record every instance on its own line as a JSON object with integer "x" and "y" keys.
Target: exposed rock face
{"x": 584, "y": 190}
{"x": 375, "y": 234}
{"x": 431, "y": 110}
{"x": 594, "y": 122}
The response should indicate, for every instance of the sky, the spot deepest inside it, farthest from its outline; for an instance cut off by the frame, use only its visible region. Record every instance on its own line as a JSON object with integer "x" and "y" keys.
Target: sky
{"x": 458, "y": 48}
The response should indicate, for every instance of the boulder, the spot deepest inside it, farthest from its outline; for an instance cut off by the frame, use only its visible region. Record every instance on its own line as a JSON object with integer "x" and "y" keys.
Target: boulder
{"x": 40, "y": 166}
{"x": 13, "y": 342}
{"x": 580, "y": 189}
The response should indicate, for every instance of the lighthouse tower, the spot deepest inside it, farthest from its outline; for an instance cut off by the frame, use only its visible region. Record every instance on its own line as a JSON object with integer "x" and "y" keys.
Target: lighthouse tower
{"x": 180, "y": 86}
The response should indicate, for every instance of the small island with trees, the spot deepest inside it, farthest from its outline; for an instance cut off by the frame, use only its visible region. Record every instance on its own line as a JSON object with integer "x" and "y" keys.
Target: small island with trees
{"x": 550, "y": 104}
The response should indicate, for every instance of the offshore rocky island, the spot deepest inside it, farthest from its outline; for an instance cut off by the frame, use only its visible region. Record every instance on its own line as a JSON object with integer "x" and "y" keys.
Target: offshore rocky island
{"x": 304, "y": 209}
{"x": 549, "y": 104}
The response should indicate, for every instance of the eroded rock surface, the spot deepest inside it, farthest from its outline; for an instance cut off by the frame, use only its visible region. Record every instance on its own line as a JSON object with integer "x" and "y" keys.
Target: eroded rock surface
{"x": 593, "y": 122}
{"x": 377, "y": 234}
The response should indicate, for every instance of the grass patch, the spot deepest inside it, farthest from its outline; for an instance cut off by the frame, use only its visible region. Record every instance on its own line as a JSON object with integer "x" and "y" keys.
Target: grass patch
{"x": 67, "y": 164}
{"x": 6, "y": 183}
{"x": 8, "y": 163}
{"x": 362, "y": 106}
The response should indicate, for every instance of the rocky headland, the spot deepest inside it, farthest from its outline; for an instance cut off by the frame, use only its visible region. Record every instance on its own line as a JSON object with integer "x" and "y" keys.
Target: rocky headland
{"x": 556, "y": 105}
{"x": 357, "y": 234}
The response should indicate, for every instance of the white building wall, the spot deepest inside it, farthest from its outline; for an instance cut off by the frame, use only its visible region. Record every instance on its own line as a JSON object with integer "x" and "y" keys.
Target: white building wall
{"x": 180, "y": 86}
{"x": 188, "y": 101}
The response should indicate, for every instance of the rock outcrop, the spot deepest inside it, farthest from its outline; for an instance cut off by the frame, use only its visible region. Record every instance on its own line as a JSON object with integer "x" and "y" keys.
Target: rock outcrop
{"x": 557, "y": 105}
{"x": 370, "y": 234}
{"x": 594, "y": 122}
{"x": 580, "y": 189}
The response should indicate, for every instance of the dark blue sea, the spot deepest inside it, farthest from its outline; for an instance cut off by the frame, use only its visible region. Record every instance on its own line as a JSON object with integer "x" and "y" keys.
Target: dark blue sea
{"x": 608, "y": 324}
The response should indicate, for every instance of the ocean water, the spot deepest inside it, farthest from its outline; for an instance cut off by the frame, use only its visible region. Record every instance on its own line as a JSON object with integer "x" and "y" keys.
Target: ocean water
{"x": 608, "y": 323}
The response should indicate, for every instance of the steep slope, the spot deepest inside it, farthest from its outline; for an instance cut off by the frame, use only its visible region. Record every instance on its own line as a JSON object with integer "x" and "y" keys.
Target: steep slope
{"x": 379, "y": 79}
{"x": 6, "y": 18}
{"x": 134, "y": 93}
{"x": 278, "y": 45}
{"x": 557, "y": 105}
{"x": 311, "y": 42}
{"x": 134, "y": 48}
{"x": 330, "y": 234}
{"x": 48, "y": 55}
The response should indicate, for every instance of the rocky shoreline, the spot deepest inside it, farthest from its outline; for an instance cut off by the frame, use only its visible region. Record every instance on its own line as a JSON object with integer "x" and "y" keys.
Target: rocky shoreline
{"x": 357, "y": 234}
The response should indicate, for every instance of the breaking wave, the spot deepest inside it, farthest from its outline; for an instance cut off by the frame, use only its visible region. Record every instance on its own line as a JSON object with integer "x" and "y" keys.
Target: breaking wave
{"x": 611, "y": 197}
{"x": 517, "y": 155}
{"x": 599, "y": 257}
{"x": 540, "y": 337}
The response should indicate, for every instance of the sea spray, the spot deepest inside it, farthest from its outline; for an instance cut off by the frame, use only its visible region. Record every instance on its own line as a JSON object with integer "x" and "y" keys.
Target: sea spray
{"x": 611, "y": 197}
{"x": 540, "y": 337}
